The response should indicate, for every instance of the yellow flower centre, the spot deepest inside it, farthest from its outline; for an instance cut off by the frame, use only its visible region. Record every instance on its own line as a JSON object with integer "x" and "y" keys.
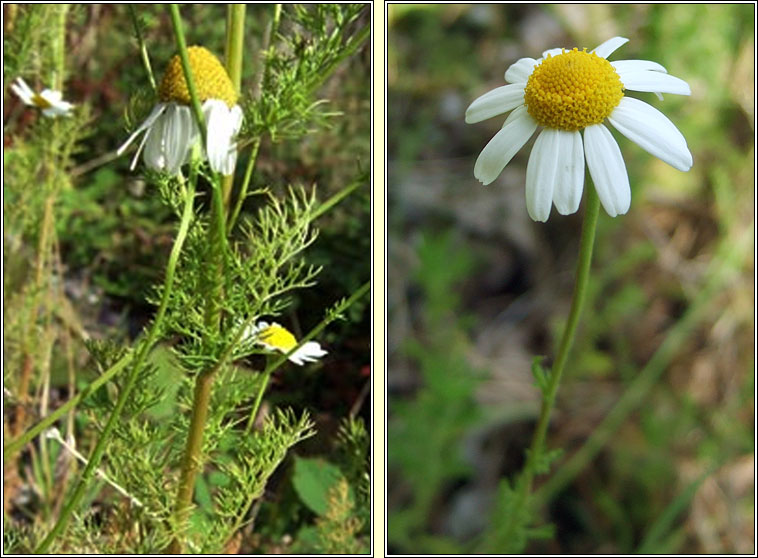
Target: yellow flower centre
{"x": 40, "y": 101}
{"x": 572, "y": 90}
{"x": 277, "y": 336}
{"x": 210, "y": 77}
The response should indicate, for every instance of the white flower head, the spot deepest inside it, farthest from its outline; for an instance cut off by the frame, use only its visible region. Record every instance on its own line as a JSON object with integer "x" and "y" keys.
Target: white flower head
{"x": 49, "y": 101}
{"x": 566, "y": 92}
{"x": 275, "y": 337}
{"x": 170, "y": 129}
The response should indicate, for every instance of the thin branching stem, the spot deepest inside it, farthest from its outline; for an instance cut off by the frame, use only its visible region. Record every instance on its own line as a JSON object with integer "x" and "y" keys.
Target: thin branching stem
{"x": 142, "y": 47}
{"x": 235, "y": 42}
{"x": 535, "y": 453}
{"x": 139, "y": 358}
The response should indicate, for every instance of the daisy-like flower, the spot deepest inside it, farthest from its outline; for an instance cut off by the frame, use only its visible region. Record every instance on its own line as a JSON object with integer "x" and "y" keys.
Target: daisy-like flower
{"x": 49, "y": 101}
{"x": 565, "y": 92}
{"x": 171, "y": 131}
{"x": 274, "y": 337}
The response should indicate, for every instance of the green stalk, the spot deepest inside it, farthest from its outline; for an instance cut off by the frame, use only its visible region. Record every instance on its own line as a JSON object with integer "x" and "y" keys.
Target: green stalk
{"x": 245, "y": 183}
{"x": 60, "y": 48}
{"x": 339, "y": 196}
{"x": 142, "y": 352}
{"x": 577, "y": 301}
{"x": 728, "y": 256}
{"x": 505, "y": 534}
{"x": 261, "y": 82}
{"x": 142, "y": 47}
{"x": 216, "y": 251}
{"x": 235, "y": 40}
{"x": 14, "y": 446}
{"x": 181, "y": 44}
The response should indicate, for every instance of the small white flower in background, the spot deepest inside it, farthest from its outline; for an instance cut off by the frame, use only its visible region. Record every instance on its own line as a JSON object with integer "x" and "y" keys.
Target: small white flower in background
{"x": 49, "y": 101}
{"x": 274, "y": 337}
{"x": 568, "y": 91}
{"x": 170, "y": 129}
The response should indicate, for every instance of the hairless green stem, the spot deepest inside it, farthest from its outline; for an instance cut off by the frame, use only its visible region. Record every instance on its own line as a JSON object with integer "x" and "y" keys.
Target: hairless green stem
{"x": 213, "y": 279}
{"x": 197, "y": 109}
{"x": 264, "y": 75}
{"x": 142, "y": 47}
{"x": 141, "y": 353}
{"x": 235, "y": 41}
{"x": 577, "y": 301}
{"x": 12, "y": 447}
{"x": 727, "y": 256}
{"x": 524, "y": 486}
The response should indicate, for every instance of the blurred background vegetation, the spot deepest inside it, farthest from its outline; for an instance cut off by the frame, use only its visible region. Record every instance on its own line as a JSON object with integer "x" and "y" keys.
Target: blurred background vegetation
{"x": 113, "y": 235}
{"x": 656, "y": 410}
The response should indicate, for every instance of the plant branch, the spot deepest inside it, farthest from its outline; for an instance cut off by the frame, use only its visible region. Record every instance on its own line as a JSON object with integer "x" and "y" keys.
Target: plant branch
{"x": 142, "y": 352}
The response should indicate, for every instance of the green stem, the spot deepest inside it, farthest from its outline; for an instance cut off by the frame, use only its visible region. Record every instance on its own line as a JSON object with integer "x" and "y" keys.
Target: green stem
{"x": 142, "y": 352}
{"x": 363, "y": 179}
{"x": 12, "y": 447}
{"x": 577, "y": 301}
{"x": 181, "y": 44}
{"x": 193, "y": 453}
{"x": 235, "y": 41}
{"x": 245, "y": 183}
{"x": 142, "y": 47}
{"x": 60, "y": 48}
{"x": 728, "y": 256}
{"x": 506, "y": 533}
{"x": 264, "y": 76}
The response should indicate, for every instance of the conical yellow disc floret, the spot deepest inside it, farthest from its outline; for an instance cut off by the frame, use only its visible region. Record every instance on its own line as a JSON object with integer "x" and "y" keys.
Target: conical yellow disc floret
{"x": 572, "y": 90}
{"x": 210, "y": 77}
{"x": 276, "y": 336}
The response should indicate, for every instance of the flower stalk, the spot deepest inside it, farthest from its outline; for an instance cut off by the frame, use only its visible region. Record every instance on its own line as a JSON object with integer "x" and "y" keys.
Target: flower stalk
{"x": 235, "y": 40}
{"x": 577, "y": 301}
{"x": 192, "y": 460}
{"x": 138, "y": 361}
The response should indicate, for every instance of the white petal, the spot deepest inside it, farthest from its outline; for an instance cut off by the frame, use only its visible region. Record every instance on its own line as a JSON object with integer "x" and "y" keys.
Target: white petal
{"x": 541, "y": 174}
{"x": 652, "y": 131}
{"x": 51, "y": 96}
{"x": 497, "y": 101}
{"x": 178, "y": 132}
{"x": 308, "y": 352}
{"x": 607, "y": 169}
{"x": 636, "y": 65}
{"x": 503, "y": 146}
{"x": 23, "y": 91}
{"x": 221, "y": 122}
{"x": 155, "y": 152}
{"x": 156, "y": 112}
{"x": 607, "y": 48}
{"x": 552, "y": 52}
{"x": 654, "y": 82}
{"x": 570, "y": 178}
{"x": 60, "y": 109}
{"x": 236, "y": 116}
{"x": 21, "y": 94}
{"x": 520, "y": 70}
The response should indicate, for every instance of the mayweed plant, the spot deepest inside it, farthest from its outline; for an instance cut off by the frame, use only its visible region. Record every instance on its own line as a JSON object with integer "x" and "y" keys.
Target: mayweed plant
{"x": 567, "y": 92}
{"x": 175, "y": 426}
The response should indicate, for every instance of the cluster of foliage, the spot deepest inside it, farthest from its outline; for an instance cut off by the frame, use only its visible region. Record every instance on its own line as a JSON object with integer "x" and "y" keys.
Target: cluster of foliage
{"x": 134, "y": 398}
